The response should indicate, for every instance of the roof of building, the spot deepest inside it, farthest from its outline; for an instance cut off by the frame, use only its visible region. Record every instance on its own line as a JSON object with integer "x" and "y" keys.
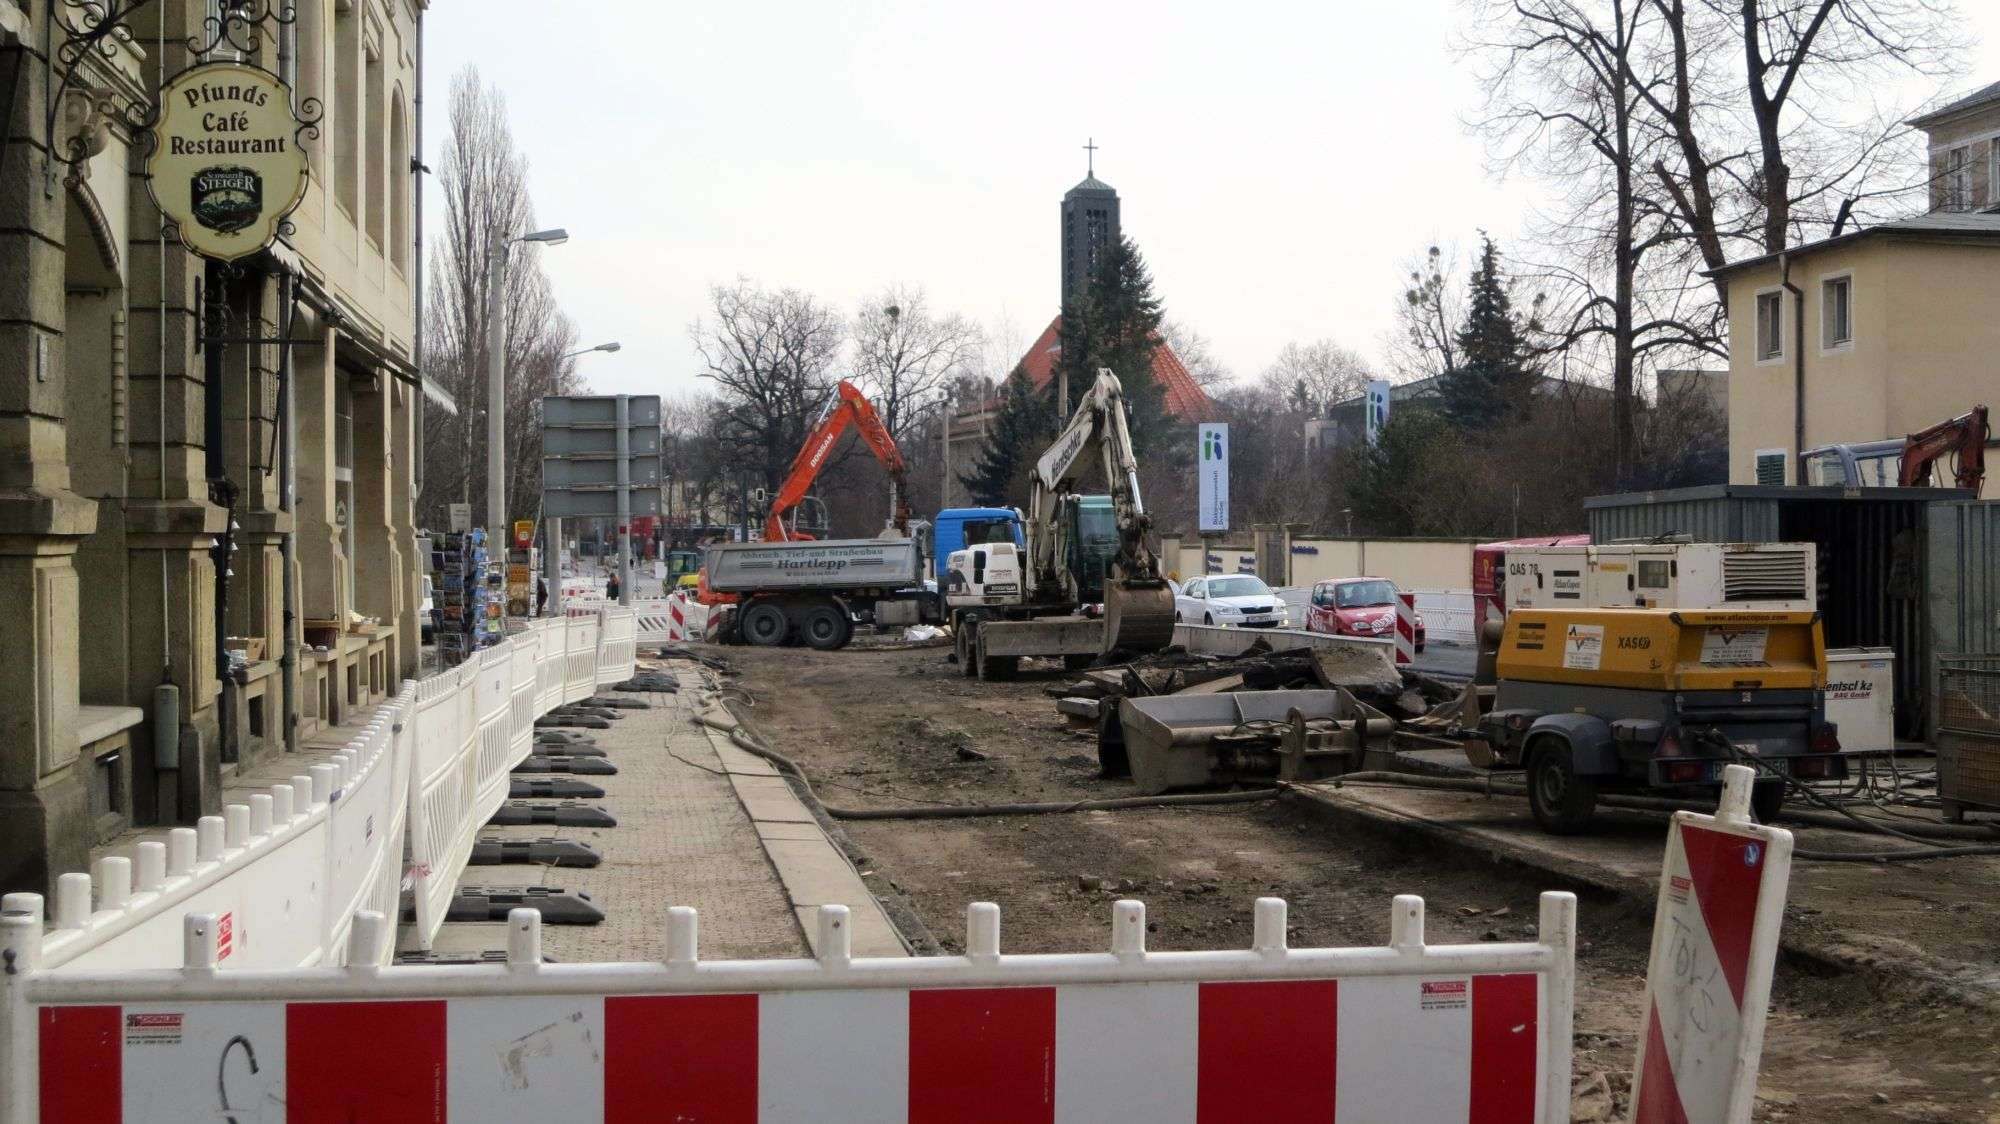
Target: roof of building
{"x": 1961, "y": 225}
{"x": 1185, "y": 399}
{"x": 1091, "y": 183}
{"x": 1974, "y": 100}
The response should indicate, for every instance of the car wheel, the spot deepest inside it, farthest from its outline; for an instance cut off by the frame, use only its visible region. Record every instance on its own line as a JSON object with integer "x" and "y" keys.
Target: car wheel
{"x": 1561, "y": 801}
{"x": 1208, "y": 618}
{"x": 764, "y": 625}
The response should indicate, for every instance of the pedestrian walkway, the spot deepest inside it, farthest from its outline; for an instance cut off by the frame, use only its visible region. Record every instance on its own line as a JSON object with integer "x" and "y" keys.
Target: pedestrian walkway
{"x": 700, "y": 823}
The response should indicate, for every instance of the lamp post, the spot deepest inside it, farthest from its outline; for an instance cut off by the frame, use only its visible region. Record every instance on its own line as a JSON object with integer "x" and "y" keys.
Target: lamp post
{"x": 614, "y": 345}
{"x": 496, "y": 379}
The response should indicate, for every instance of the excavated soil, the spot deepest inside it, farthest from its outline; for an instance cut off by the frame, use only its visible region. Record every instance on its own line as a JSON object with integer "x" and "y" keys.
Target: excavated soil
{"x": 887, "y": 728}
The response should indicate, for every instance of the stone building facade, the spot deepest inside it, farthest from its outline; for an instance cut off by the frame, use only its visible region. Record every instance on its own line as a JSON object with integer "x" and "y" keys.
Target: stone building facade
{"x": 151, "y": 403}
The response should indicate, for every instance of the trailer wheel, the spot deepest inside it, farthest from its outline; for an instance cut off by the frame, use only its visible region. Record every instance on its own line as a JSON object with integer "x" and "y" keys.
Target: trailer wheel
{"x": 1561, "y": 800}
{"x": 1767, "y": 799}
{"x": 826, "y": 628}
{"x": 764, "y": 625}
{"x": 996, "y": 668}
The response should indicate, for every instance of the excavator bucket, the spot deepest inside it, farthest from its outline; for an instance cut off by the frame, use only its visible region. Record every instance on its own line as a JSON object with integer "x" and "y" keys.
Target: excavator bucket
{"x": 1138, "y": 615}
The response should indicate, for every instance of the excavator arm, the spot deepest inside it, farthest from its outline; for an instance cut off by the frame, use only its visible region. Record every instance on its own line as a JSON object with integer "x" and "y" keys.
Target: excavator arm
{"x": 1964, "y": 435}
{"x": 1138, "y": 606}
{"x": 850, "y": 407}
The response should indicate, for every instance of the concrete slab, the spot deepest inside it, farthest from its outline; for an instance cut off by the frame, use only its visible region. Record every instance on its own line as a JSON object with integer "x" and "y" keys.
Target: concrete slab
{"x": 815, "y": 873}
{"x": 739, "y": 761}
{"x": 870, "y": 933}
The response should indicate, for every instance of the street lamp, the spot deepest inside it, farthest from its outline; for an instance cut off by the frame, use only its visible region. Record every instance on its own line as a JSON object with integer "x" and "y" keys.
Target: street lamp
{"x": 496, "y": 379}
{"x": 612, "y": 346}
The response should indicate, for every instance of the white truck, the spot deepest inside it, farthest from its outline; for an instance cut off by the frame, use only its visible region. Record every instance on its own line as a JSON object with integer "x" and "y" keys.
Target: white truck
{"x": 815, "y": 590}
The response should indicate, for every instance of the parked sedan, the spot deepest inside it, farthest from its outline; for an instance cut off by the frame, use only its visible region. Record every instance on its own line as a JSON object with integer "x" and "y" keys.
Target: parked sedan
{"x": 1357, "y": 607}
{"x": 1236, "y": 599}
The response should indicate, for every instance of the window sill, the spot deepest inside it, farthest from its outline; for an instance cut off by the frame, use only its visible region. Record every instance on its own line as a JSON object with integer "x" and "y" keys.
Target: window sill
{"x": 1838, "y": 349}
{"x": 1774, "y": 361}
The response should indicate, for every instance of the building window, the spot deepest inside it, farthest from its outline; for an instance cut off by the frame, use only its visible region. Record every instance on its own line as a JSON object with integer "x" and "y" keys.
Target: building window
{"x": 1958, "y": 179}
{"x": 375, "y": 193}
{"x": 346, "y": 87}
{"x": 1836, "y": 312}
{"x": 399, "y": 186}
{"x": 1770, "y": 325}
{"x": 1771, "y": 466}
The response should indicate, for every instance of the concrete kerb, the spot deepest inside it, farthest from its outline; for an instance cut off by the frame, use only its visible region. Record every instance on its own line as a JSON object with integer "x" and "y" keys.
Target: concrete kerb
{"x": 815, "y": 860}
{"x": 1803, "y": 949}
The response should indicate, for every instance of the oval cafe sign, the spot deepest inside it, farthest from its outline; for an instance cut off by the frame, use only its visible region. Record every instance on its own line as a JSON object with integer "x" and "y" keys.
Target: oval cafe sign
{"x": 226, "y": 164}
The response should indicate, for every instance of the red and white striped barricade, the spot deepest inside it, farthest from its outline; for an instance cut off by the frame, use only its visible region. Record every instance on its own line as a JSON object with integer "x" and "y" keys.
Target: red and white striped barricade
{"x": 1715, "y": 941}
{"x": 1406, "y": 1032}
{"x": 1406, "y": 628}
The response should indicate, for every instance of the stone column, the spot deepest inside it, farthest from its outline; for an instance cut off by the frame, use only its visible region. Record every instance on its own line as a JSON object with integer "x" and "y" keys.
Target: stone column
{"x": 322, "y": 557}
{"x": 378, "y": 564}
{"x": 407, "y": 415}
{"x": 44, "y": 828}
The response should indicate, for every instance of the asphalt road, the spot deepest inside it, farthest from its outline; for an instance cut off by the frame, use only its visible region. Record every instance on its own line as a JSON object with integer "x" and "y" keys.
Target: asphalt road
{"x": 1449, "y": 660}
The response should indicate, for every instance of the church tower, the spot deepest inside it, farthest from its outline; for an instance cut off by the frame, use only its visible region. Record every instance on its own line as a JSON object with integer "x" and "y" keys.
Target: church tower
{"x": 1089, "y": 224}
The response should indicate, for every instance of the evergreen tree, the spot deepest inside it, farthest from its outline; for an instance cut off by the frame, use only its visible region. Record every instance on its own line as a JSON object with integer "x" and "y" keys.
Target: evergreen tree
{"x": 1115, "y": 322}
{"x": 1492, "y": 377}
{"x": 999, "y": 476}
{"x": 1388, "y": 481}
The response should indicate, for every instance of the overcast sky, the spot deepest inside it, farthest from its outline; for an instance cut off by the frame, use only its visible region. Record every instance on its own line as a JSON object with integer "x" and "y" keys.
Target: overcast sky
{"x": 1276, "y": 164}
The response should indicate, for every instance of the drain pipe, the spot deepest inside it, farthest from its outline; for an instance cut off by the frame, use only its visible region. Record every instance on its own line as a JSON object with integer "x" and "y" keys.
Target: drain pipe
{"x": 288, "y": 548}
{"x": 1798, "y": 368}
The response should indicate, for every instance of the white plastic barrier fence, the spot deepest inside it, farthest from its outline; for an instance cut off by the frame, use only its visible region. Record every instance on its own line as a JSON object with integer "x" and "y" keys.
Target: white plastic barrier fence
{"x": 281, "y": 873}
{"x": 1715, "y": 943}
{"x": 1404, "y": 1032}
{"x": 1447, "y": 614}
{"x": 1406, "y": 628}
{"x": 284, "y": 873}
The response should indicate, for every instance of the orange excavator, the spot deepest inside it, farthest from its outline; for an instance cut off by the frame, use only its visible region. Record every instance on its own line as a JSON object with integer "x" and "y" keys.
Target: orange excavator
{"x": 849, "y": 407}
{"x": 1964, "y": 437}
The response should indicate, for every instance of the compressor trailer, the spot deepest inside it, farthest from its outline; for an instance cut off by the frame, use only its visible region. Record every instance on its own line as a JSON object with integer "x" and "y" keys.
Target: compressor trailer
{"x": 1658, "y": 701}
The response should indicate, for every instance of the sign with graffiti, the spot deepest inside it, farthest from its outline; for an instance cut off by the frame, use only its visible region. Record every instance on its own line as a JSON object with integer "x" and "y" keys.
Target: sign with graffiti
{"x": 226, "y": 166}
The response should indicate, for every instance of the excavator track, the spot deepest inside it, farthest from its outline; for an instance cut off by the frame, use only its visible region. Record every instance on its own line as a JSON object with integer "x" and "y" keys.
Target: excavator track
{"x": 1138, "y": 615}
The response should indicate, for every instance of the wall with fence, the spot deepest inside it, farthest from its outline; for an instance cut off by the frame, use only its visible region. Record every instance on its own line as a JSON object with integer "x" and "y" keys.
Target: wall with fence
{"x": 1402, "y": 1031}
{"x": 284, "y": 872}
{"x": 1443, "y": 564}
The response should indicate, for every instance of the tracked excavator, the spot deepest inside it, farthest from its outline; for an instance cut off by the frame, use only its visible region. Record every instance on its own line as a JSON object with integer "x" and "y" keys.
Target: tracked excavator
{"x": 1008, "y": 601}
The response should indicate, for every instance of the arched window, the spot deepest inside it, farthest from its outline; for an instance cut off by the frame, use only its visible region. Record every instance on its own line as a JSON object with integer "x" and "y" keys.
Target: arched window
{"x": 375, "y": 149}
{"x": 399, "y": 184}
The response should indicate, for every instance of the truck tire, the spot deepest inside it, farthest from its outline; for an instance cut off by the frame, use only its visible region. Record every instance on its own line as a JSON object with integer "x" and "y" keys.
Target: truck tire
{"x": 764, "y": 625}
{"x": 826, "y": 627}
{"x": 1561, "y": 800}
{"x": 995, "y": 669}
{"x": 965, "y": 644}
{"x": 1767, "y": 799}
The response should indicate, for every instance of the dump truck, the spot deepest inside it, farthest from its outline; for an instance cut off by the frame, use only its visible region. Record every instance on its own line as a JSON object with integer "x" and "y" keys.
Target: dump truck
{"x": 814, "y": 590}
{"x": 1010, "y": 600}
{"x": 1657, "y": 701}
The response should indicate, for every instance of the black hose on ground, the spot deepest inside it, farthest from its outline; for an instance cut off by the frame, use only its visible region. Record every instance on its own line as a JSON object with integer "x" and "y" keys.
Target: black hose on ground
{"x": 749, "y": 743}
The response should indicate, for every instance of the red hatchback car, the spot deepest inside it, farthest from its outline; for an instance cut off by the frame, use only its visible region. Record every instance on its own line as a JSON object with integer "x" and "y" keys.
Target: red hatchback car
{"x": 1357, "y": 607}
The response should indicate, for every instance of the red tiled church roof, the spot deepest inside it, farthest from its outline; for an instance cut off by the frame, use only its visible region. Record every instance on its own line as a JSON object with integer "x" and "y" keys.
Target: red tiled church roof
{"x": 1185, "y": 398}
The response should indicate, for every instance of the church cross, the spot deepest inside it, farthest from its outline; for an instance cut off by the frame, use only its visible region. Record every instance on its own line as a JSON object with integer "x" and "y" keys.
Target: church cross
{"x": 1090, "y": 147}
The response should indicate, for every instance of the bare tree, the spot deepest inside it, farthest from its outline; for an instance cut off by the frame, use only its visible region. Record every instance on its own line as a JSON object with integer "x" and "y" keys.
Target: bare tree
{"x": 1195, "y": 353}
{"x": 771, "y": 355}
{"x": 1429, "y": 311}
{"x": 483, "y": 184}
{"x": 905, "y": 355}
{"x": 1310, "y": 377}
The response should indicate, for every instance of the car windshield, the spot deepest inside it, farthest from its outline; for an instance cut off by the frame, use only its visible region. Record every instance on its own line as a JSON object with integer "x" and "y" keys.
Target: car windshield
{"x": 1353, "y": 595}
{"x": 1237, "y": 587}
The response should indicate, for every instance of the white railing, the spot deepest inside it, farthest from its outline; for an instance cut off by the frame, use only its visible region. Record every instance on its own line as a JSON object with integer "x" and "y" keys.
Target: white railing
{"x": 285, "y": 871}
{"x": 1402, "y": 1031}
{"x": 1447, "y": 614}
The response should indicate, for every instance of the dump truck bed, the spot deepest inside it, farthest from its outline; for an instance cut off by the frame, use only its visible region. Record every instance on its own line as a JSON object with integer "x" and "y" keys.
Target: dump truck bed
{"x": 834, "y": 564}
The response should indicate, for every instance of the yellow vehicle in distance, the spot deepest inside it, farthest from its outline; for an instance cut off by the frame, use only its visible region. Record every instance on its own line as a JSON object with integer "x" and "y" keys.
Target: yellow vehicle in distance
{"x": 1659, "y": 701}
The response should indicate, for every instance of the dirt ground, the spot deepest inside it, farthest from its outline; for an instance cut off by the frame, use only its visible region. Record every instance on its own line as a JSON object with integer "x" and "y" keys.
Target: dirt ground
{"x": 885, "y": 728}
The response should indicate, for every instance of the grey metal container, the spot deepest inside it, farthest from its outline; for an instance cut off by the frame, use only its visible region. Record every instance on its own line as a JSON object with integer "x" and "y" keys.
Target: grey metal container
{"x": 1876, "y": 554}
{"x": 835, "y": 564}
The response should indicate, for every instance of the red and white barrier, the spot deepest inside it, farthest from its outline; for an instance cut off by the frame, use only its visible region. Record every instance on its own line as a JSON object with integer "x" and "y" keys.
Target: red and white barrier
{"x": 1407, "y": 1032}
{"x": 1715, "y": 942}
{"x": 1406, "y": 628}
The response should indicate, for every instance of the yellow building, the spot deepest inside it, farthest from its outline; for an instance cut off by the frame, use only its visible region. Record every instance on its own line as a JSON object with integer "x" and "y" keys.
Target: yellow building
{"x": 1871, "y": 335}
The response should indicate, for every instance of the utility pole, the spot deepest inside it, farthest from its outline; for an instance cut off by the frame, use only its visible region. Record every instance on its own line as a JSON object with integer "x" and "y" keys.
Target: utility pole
{"x": 496, "y": 394}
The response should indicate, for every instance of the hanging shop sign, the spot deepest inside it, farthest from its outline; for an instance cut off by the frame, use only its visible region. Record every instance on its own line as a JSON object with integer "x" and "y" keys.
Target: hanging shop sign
{"x": 226, "y": 166}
